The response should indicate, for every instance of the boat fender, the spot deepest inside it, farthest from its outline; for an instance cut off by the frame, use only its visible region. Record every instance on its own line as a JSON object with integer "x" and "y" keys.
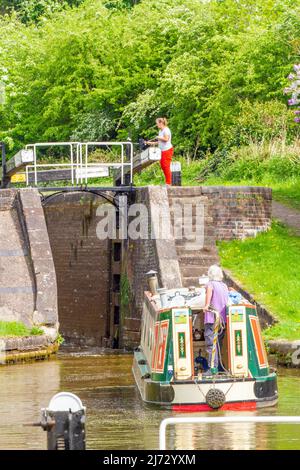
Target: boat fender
{"x": 215, "y": 398}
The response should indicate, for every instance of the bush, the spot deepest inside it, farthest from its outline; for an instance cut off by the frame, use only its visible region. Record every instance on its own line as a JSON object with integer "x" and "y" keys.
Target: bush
{"x": 261, "y": 122}
{"x": 269, "y": 162}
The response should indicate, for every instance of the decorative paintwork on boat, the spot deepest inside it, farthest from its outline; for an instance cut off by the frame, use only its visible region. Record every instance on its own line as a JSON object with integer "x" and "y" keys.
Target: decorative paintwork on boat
{"x": 164, "y": 367}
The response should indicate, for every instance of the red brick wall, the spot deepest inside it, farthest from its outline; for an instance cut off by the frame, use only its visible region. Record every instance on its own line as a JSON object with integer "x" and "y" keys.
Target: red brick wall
{"x": 239, "y": 212}
{"x": 82, "y": 264}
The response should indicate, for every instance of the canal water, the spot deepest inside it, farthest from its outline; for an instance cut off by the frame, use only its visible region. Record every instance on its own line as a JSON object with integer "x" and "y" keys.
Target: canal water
{"x": 116, "y": 417}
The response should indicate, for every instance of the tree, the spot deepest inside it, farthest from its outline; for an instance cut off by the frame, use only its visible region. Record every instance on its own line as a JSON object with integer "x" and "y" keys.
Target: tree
{"x": 211, "y": 67}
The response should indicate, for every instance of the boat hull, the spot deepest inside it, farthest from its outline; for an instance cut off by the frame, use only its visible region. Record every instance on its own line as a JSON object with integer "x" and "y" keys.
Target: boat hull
{"x": 188, "y": 396}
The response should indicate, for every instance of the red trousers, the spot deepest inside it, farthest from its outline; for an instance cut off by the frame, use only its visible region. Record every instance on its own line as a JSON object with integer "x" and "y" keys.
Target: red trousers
{"x": 165, "y": 163}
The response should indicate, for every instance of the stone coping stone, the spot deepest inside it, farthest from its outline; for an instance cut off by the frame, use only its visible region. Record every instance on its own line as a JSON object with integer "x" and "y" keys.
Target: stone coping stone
{"x": 24, "y": 343}
{"x": 178, "y": 190}
{"x": 283, "y": 345}
{"x": 287, "y": 353}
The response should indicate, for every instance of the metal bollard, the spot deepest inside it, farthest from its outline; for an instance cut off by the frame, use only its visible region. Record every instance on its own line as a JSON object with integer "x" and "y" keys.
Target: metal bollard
{"x": 64, "y": 421}
{"x": 176, "y": 173}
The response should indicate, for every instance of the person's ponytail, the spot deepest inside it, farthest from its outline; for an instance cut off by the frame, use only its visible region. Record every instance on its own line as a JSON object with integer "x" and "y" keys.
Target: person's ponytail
{"x": 163, "y": 121}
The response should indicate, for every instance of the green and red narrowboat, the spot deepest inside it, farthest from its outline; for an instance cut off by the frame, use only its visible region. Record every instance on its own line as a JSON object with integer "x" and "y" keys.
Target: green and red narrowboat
{"x": 164, "y": 367}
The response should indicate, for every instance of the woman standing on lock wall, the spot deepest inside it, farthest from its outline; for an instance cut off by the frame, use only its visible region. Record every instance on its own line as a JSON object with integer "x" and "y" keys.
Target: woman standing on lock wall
{"x": 164, "y": 142}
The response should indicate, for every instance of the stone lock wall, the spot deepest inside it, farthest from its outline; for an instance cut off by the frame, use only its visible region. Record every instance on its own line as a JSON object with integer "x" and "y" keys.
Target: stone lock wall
{"x": 17, "y": 283}
{"x": 27, "y": 276}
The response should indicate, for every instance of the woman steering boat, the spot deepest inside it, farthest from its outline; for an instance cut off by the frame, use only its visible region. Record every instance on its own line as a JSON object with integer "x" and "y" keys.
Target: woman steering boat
{"x": 217, "y": 298}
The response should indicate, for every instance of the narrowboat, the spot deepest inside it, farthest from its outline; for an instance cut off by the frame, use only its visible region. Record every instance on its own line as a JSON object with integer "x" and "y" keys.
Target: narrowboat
{"x": 166, "y": 369}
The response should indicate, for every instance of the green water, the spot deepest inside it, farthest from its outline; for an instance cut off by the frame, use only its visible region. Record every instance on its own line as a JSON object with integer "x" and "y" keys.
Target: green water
{"x": 117, "y": 418}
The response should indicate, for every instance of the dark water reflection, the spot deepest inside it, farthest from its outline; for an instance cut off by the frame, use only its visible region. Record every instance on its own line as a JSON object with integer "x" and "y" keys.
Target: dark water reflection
{"x": 117, "y": 419}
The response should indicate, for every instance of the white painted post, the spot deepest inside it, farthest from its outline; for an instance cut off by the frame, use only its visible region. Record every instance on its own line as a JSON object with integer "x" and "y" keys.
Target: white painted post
{"x": 72, "y": 163}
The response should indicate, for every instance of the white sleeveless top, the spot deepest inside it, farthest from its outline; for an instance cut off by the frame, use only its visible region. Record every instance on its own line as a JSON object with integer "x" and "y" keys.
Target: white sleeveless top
{"x": 165, "y": 145}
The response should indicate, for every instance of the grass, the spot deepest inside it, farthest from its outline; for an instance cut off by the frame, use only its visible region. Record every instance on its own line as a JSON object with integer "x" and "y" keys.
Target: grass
{"x": 268, "y": 266}
{"x": 10, "y": 329}
{"x": 288, "y": 193}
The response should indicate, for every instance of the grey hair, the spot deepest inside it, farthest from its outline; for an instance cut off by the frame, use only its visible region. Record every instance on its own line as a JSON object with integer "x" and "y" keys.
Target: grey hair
{"x": 215, "y": 273}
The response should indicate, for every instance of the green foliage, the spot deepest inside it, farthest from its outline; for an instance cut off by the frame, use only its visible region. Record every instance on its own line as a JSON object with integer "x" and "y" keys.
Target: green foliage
{"x": 120, "y": 4}
{"x": 260, "y": 167}
{"x": 259, "y": 122}
{"x": 60, "y": 339}
{"x": 106, "y": 69}
{"x": 272, "y": 164}
{"x": 268, "y": 266}
{"x": 94, "y": 126}
{"x": 126, "y": 294}
{"x": 17, "y": 329}
{"x": 35, "y": 331}
{"x": 32, "y": 11}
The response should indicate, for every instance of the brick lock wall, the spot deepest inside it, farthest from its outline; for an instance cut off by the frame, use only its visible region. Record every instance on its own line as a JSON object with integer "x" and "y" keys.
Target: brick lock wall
{"x": 239, "y": 212}
{"x": 82, "y": 264}
{"x": 138, "y": 258}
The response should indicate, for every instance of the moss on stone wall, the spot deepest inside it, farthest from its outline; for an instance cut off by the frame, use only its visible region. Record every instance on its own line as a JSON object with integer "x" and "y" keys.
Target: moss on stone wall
{"x": 126, "y": 294}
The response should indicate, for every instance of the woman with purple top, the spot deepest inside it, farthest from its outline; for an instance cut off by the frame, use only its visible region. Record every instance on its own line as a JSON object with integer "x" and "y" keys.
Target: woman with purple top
{"x": 216, "y": 299}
